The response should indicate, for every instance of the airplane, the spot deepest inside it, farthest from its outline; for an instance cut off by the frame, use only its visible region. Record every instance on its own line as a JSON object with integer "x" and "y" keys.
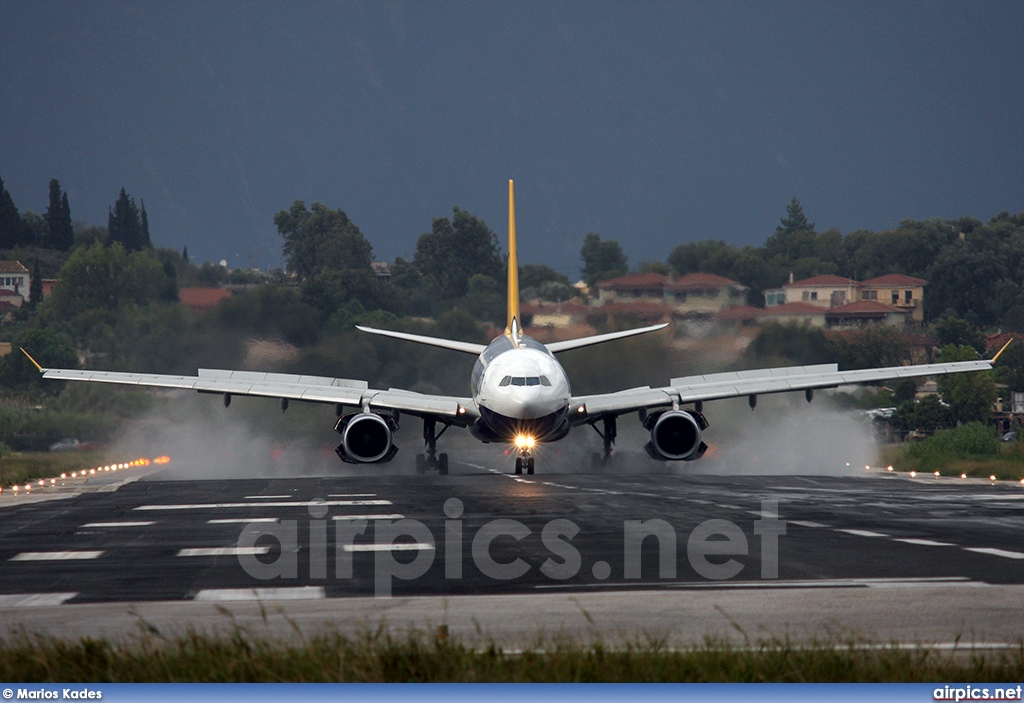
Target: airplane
{"x": 520, "y": 393}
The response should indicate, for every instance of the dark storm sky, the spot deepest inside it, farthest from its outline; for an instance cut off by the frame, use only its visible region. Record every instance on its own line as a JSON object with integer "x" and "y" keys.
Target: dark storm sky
{"x": 655, "y": 123}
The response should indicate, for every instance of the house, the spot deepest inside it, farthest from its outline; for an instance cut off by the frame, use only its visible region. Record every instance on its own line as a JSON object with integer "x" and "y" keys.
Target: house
{"x": 802, "y": 314}
{"x": 15, "y": 283}
{"x": 382, "y": 270}
{"x": 866, "y": 312}
{"x": 826, "y": 291}
{"x": 695, "y": 294}
{"x": 897, "y": 290}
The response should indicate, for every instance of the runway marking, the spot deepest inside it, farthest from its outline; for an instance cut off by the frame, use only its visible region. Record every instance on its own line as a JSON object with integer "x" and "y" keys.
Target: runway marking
{"x": 267, "y": 497}
{"x": 861, "y": 533}
{"x": 923, "y": 542}
{"x": 139, "y": 523}
{"x": 401, "y": 547}
{"x": 240, "y": 520}
{"x": 369, "y": 517}
{"x": 34, "y": 600}
{"x": 216, "y": 595}
{"x": 995, "y": 552}
{"x": 805, "y": 523}
{"x": 281, "y": 504}
{"x": 727, "y": 506}
{"x": 55, "y": 556}
{"x": 222, "y": 551}
{"x": 351, "y": 495}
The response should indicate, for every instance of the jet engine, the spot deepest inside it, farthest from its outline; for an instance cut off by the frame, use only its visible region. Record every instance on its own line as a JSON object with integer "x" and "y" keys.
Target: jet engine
{"x": 366, "y": 438}
{"x": 675, "y": 435}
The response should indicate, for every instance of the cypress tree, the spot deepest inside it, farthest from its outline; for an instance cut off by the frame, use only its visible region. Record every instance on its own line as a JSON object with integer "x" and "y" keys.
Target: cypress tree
{"x": 145, "y": 241}
{"x": 124, "y": 223}
{"x": 61, "y": 234}
{"x": 10, "y": 221}
{"x": 35, "y": 288}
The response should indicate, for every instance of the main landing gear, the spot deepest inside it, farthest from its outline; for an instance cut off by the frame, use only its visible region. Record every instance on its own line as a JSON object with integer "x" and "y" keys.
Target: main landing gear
{"x": 607, "y": 436}
{"x": 432, "y": 460}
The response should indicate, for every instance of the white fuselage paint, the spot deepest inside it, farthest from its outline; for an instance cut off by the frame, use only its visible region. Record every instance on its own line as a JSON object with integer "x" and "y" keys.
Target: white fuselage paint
{"x": 537, "y": 406}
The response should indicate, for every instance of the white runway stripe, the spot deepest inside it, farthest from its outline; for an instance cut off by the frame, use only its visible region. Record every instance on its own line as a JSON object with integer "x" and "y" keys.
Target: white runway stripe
{"x": 368, "y": 517}
{"x": 805, "y": 523}
{"x": 402, "y": 547}
{"x": 862, "y": 533}
{"x": 34, "y": 600}
{"x": 222, "y": 551}
{"x": 55, "y": 556}
{"x": 282, "y": 504}
{"x": 924, "y": 542}
{"x": 995, "y": 552}
{"x": 240, "y": 520}
{"x": 266, "y": 497}
{"x": 140, "y": 523}
{"x": 215, "y": 595}
{"x": 351, "y": 495}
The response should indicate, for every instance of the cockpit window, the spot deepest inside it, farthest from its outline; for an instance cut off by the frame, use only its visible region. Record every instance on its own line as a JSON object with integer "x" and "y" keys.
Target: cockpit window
{"x": 525, "y": 381}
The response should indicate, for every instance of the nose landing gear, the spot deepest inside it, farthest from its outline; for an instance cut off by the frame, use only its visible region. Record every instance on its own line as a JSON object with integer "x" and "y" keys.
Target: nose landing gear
{"x": 524, "y": 462}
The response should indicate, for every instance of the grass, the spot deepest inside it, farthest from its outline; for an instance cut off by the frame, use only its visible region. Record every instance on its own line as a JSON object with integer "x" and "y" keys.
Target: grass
{"x": 380, "y": 656}
{"x": 1006, "y": 465}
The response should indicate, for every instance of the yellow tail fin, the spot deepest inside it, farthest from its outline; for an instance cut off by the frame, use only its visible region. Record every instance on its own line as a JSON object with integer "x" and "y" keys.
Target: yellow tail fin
{"x": 514, "y": 324}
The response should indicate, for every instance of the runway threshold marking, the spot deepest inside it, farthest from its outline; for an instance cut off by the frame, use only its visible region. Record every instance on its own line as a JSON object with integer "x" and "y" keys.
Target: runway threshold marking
{"x": 400, "y": 547}
{"x": 274, "y": 504}
{"x": 995, "y": 552}
{"x": 240, "y": 520}
{"x": 56, "y": 556}
{"x": 222, "y": 551}
{"x": 267, "y": 497}
{"x": 216, "y": 595}
{"x": 137, "y": 523}
{"x": 34, "y": 600}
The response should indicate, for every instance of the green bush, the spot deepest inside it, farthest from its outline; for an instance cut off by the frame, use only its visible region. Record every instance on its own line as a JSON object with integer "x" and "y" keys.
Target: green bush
{"x": 971, "y": 440}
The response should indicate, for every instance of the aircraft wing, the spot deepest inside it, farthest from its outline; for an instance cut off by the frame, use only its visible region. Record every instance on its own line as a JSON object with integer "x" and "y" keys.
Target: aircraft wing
{"x": 317, "y": 389}
{"x": 736, "y": 384}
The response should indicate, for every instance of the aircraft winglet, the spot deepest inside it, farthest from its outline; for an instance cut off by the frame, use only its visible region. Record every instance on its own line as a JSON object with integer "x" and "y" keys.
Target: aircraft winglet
{"x": 1002, "y": 350}
{"x": 36, "y": 363}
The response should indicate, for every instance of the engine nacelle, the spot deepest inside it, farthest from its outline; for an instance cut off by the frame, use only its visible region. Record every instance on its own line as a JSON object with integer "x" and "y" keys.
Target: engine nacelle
{"x": 676, "y": 435}
{"x": 366, "y": 438}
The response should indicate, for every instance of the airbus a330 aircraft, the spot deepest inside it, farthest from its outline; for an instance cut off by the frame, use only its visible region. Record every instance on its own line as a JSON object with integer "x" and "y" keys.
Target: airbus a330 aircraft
{"x": 520, "y": 394}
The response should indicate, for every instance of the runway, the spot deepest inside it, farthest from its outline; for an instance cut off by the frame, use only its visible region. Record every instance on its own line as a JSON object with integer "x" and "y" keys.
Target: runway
{"x": 882, "y": 557}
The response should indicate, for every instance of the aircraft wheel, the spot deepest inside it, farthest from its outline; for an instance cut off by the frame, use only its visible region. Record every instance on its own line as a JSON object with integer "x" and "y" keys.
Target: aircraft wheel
{"x": 529, "y": 466}
{"x": 442, "y": 464}
{"x": 421, "y": 464}
{"x": 519, "y": 465}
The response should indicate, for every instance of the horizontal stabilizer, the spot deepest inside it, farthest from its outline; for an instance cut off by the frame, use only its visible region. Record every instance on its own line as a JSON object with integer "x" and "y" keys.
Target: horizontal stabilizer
{"x": 568, "y": 344}
{"x": 467, "y": 347}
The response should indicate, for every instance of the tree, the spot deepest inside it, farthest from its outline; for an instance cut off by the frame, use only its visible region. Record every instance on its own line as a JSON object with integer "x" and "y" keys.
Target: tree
{"x": 47, "y": 348}
{"x": 794, "y": 238}
{"x": 602, "y": 260}
{"x": 33, "y": 229}
{"x": 969, "y": 395}
{"x": 106, "y": 278}
{"x": 953, "y": 330}
{"x": 320, "y": 239}
{"x": 125, "y": 224}
{"x": 60, "y": 232}
{"x": 35, "y": 288}
{"x": 146, "y": 242}
{"x": 455, "y": 250}
{"x": 10, "y": 220}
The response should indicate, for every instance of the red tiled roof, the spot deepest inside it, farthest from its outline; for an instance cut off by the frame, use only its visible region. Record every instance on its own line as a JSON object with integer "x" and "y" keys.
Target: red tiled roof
{"x": 995, "y": 342}
{"x": 639, "y": 307}
{"x": 636, "y": 280}
{"x": 702, "y": 280}
{"x": 202, "y": 298}
{"x": 741, "y": 312}
{"x": 894, "y": 279}
{"x": 867, "y": 307}
{"x": 12, "y": 267}
{"x": 827, "y": 279}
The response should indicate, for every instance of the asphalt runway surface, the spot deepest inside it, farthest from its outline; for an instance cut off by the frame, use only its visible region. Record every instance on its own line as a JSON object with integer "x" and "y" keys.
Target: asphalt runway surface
{"x": 876, "y": 556}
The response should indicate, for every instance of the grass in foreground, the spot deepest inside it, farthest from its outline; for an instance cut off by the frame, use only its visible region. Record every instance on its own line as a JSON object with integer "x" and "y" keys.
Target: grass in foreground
{"x": 418, "y": 657}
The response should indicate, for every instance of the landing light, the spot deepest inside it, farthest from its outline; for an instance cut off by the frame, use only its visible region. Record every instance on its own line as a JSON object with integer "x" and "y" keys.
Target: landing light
{"x": 992, "y": 478}
{"x": 524, "y": 441}
{"x": 963, "y": 475}
{"x": 913, "y": 474}
{"x": 936, "y": 474}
